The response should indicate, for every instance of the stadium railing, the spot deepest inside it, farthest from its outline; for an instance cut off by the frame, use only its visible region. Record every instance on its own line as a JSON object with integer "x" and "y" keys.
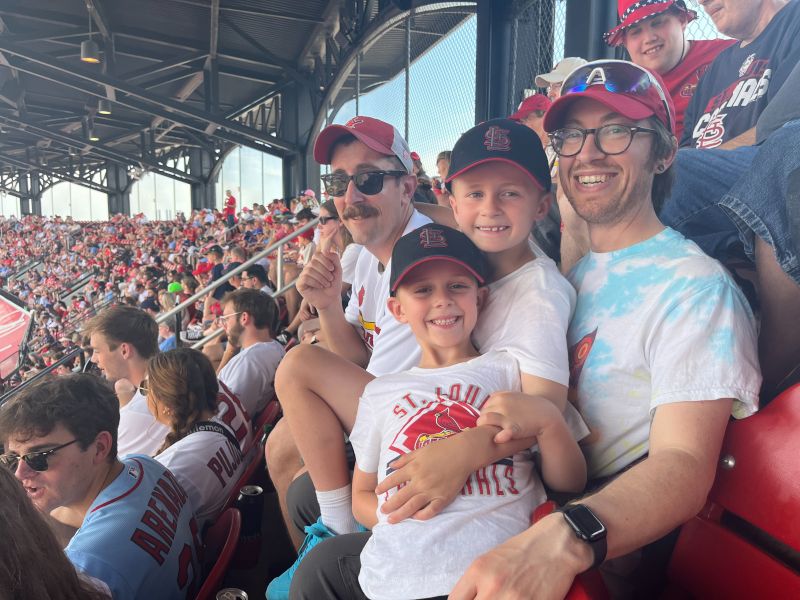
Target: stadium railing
{"x": 68, "y": 358}
{"x": 282, "y": 287}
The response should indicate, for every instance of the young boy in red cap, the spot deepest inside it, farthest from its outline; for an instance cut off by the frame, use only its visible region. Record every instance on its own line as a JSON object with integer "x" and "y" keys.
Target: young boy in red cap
{"x": 654, "y": 34}
{"x": 437, "y": 287}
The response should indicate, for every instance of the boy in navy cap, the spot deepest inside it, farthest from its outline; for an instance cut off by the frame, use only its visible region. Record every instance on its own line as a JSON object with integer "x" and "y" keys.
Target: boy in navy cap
{"x": 437, "y": 288}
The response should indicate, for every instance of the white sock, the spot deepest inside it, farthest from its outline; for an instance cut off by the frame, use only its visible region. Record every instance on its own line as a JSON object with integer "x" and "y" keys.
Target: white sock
{"x": 336, "y": 510}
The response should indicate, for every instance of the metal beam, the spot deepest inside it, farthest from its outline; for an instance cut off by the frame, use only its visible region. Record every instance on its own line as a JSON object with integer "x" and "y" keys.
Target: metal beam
{"x": 63, "y": 176}
{"x": 256, "y": 12}
{"x": 139, "y": 99}
{"x": 164, "y": 65}
{"x": 99, "y": 149}
{"x": 249, "y": 75}
{"x": 98, "y": 13}
{"x": 213, "y": 37}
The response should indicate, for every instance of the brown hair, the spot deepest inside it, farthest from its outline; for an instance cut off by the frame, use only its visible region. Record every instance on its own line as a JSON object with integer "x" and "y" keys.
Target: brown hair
{"x": 663, "y": 146}
{"x": 84, "y": 404}
{"x": 262, "y": 308}
{"x": 32, "y": 564}
{"x": 183, "y": 381}
{"x": 128, "y": 325}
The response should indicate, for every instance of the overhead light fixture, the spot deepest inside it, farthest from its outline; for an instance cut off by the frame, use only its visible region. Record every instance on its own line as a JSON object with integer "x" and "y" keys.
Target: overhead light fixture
{"x": 93, "y": 137}
{"x": 103, "y": 106}
{"x": 90, "y": 53}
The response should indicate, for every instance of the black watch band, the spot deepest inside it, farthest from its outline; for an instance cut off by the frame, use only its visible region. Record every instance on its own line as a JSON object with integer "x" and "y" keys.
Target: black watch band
{"x": 588, "y": 528}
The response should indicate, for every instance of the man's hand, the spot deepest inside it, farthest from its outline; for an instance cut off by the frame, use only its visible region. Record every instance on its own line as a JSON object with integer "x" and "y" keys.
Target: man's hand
{"x": 306, "y": 311}
{"x": 429, "y": 485}
{"x": 517, "y": 415}
{"x": 540, "y": 563}
{"x": 320, "y": 283}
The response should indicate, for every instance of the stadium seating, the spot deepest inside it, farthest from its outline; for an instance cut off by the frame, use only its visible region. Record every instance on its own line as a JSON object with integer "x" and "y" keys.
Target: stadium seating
{"x": 220, "y": 544}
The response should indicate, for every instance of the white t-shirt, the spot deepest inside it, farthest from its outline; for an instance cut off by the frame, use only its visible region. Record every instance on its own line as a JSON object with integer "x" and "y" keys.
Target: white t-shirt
{"x": 251, "y": 373}
{"x": 206, "y": 463}
{"x": 348, "y": 260}
{"x": 139, "y": 432}
{"x": 394, "y": 348}
{"x": 655, "y": 323}
{"x": 405, "y": 411}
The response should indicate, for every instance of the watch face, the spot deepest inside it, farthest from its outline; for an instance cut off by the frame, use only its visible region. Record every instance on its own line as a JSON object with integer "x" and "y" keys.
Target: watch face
{"x": 585, "y": 523}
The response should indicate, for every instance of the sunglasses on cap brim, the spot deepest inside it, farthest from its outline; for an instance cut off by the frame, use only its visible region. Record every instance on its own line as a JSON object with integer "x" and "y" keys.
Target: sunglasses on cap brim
{"x": 617, "y": 77}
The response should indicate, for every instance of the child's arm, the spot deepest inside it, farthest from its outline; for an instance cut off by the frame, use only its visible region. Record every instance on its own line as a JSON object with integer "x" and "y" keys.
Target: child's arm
{"x": 521, "y": 416}
{"x": 365, "y": 501}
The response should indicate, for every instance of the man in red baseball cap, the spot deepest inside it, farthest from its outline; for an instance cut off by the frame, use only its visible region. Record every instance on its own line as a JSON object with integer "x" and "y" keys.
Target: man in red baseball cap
{"x": 531, "y": 114}
{"x": 654, "y": 388}
{"x": 654, "y": 34}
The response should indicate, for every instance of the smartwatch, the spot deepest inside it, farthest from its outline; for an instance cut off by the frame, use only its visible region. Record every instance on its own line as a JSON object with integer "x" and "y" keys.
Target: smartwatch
{"x": 587, "y": 527}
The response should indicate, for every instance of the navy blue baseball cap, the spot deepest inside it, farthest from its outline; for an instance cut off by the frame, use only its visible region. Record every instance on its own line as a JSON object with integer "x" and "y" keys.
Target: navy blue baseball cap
{"x": 501, "y": 140}
{"x": 435, "y": 242}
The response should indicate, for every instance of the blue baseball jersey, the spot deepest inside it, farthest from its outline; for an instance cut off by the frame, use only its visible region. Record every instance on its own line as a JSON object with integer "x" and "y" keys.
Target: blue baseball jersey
{"x": 139, "y": 535}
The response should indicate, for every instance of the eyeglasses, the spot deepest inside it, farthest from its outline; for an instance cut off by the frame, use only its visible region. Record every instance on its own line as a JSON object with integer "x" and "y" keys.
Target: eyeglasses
{"x": 221, "y": 320}
{"x": 619, "y": 77}
{"x": 609, "y": 139}
{"x": 35, "y": 460}
{"x": 324, "y": 220}
{"x": 369, "y": 182}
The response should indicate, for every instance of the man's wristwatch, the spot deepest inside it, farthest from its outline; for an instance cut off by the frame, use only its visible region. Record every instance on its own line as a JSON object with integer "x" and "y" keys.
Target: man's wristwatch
{"x": 587, "y": 527}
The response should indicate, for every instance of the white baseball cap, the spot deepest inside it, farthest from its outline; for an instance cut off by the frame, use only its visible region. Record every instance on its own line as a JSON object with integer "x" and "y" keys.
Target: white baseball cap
{"x": 559, "y": 73}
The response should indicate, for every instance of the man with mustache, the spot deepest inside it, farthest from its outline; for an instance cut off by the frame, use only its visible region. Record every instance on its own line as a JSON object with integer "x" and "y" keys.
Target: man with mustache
{"x": 372, "y": 185}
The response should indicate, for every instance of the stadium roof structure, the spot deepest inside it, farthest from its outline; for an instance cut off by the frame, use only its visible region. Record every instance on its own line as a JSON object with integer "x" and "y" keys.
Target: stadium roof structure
{"x": 186, "y": 75}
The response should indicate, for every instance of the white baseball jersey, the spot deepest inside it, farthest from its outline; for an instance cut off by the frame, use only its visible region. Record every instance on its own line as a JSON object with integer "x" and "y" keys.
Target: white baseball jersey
{"x": 394, "y": 348}
{"x": 139, "y": 432}
{"x": 250, "y": 375}
{"x": 405, "y": 411}
{"x": 206, "y": 463}
{"x": 139, "y": 535}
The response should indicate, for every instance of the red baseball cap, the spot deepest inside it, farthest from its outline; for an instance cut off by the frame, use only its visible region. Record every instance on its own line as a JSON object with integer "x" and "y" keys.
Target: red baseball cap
{"x": 530, "y": 104}
{"x": 622, "y": 86}
{"x": 202, "y": 268}
{"x": 632, "y": 11}
{"x": 374, "y": 133}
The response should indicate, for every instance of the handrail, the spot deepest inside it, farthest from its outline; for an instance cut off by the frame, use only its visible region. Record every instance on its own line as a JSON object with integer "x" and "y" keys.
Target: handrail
{"x": 243, "y": 267}
{"x": 44, "y": 372}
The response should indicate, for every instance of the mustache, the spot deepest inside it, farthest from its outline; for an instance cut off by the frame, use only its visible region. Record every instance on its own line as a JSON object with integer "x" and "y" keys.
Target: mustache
{"x": 360, "y": 210}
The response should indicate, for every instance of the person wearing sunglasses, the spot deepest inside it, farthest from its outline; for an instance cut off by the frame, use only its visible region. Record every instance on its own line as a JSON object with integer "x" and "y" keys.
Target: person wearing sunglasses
{"x": 135, "y": 524}
{"x": 654, "y": 387}
{"x": 654, "y": 34}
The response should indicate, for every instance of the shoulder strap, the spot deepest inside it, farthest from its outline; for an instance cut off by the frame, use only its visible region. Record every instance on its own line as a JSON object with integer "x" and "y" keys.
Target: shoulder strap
{"x": 216, "y": 428}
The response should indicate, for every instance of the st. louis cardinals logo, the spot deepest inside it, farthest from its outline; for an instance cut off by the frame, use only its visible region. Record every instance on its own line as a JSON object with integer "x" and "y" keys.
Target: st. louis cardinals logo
{"x": 746, "y": 64}
{"x": 354, "y": 121}
{"x": 432, "y": 423}
{"x": 432, "y": 238}
{"x": 578, "y": 355}
{"x": 496, "y": 139}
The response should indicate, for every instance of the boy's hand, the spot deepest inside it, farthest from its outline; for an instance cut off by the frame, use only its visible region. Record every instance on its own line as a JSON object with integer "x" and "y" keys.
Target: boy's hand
{"x": 433, "y": 477}
{"x": 517, "y": 415}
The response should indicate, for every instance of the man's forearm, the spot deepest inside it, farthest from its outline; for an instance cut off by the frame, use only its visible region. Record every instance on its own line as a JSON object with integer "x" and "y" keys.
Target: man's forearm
{"x": 650, "y": 500}
{"x": 748, "y": 138}
{"x": 340, "y": 336}
{"x": 483, "y": 450}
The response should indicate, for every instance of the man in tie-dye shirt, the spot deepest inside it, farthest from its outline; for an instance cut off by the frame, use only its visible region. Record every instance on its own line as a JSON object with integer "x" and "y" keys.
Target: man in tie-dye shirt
{"x": 662, "y": 350}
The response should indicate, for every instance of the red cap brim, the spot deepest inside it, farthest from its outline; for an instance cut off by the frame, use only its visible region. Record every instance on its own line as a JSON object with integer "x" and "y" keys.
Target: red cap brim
{"x": 614, "y": 37}
{"x": 333, "y": 133}
{"x": 624, "y": 105}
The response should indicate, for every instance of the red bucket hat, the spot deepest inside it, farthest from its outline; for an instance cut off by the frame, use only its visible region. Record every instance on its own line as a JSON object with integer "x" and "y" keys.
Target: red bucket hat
{"x": 632, "y": 11}
{"x": 530, "y": 104}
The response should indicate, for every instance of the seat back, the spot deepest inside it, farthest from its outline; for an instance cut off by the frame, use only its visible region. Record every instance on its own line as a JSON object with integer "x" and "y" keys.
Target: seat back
{"x": 268, "y": 416}
{"x": 256, "y": 463}
{"x": 219, "y": 546}
{"x": 746, "y": 541}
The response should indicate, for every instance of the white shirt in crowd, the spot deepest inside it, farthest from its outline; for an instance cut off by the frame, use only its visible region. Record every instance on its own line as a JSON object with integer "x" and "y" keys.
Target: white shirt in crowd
{"x": 139, "y": 432}
{"x": 251, "y": 374}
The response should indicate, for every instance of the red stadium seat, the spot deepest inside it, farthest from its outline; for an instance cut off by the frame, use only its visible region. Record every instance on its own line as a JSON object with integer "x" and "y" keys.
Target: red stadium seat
{"x": 256, "y": 463}
{"x": 746, "y": 541}
{"x": 588, "y": 585}
{"x": 219, "y": 546}
{"x": 268, "y": 416}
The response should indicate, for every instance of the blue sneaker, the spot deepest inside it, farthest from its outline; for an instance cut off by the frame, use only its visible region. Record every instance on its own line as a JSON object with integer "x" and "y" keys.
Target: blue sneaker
{"x": 278, "y": 588}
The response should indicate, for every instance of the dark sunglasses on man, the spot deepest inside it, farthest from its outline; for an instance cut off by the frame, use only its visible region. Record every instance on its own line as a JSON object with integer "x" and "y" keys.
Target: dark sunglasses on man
{"x": 368, "y": 182}
{"x": 35, "y": 460}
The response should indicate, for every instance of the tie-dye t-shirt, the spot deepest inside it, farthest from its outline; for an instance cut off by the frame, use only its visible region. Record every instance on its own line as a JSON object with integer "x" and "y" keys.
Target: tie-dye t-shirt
{"x": 655, "y": 323}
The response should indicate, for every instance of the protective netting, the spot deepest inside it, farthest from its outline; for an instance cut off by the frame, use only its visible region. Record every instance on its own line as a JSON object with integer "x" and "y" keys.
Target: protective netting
{"x": 441, "y": 87}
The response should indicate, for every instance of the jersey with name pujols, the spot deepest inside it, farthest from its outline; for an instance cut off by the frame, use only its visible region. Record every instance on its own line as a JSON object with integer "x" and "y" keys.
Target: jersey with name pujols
{"x": 742, "y": 81}
{"x": 139, "y": 535}
{"x": 655, "y": 323}
{"x": 393, "y": 346}
{"x": 206, "y": 463}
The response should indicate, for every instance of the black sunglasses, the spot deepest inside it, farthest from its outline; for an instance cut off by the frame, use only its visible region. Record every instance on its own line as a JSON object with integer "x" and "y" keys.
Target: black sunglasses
{"x": 369, "y": 182}
{"x": 35, "y": 460}
{"x": 324, "y": 220}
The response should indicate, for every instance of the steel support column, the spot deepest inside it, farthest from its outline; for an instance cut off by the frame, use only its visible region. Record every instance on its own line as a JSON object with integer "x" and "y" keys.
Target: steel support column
{"x": 587, "y": 21}
{"x": 35, "y": 191}
{"x": 495, "y": 21}
{"x": 119, "y": 199}
{"x": 24, "y": 191}
{"x": 299, "y": 170}
{"x": 201, "y": 164}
